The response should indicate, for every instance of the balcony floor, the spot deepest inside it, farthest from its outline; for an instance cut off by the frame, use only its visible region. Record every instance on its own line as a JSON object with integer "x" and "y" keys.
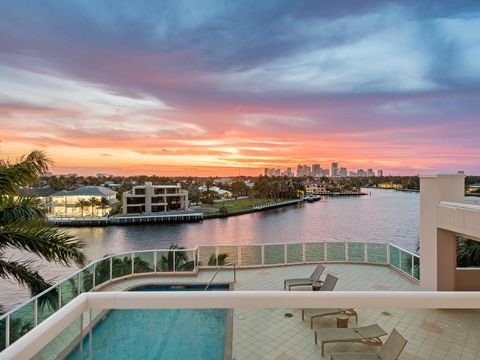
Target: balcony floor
{"x": 268, "y": 334}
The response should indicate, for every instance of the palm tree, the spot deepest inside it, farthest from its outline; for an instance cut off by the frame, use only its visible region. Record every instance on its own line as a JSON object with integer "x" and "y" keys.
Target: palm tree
{"x": 181, "y": 260}
{"x": 94, "y": 202}
{"x": 104, "y": 203}
{"x": 23, "y": 225}
{"x": 468, "y": 252}
{"x": 82, "y": 204}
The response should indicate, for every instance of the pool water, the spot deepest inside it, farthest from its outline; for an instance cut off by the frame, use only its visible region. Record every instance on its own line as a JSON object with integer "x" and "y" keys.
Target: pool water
{"x": 159, "y": 334}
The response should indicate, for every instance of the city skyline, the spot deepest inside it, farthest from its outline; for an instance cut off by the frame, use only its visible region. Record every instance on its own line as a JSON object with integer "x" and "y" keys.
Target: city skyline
{"x": 228, "y": 88}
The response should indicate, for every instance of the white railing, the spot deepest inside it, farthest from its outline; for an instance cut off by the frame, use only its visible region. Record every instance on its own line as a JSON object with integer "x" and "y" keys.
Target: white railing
{"x": 30, "y": 345}
{"x": 172, "y": 261}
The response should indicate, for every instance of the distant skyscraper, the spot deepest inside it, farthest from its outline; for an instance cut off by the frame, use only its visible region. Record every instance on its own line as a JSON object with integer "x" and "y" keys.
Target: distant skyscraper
{"x": 316, "y": 170}
{"x": 380, "y": 172}
{"x": 266, "y": 171}
{"x": 334, "y": 172}
{"x": 300, "y": 171}
{"x": 343, "y": 172}
{"x": 325, "y": 172}
{"x": 307, "y": 170}
{"x": 370, "y": 172}
{"x": 361, "y": 172}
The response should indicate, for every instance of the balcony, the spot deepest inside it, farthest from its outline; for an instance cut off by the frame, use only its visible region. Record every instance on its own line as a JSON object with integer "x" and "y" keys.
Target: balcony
{"x": 372, "y": 279}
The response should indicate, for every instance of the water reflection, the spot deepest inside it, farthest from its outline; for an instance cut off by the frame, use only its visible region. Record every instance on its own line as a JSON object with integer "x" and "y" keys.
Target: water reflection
{"x": 385, "y": 216}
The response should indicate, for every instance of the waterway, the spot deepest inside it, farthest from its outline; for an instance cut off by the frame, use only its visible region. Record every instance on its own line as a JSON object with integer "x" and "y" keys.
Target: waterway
{"x": 380, "y": 216}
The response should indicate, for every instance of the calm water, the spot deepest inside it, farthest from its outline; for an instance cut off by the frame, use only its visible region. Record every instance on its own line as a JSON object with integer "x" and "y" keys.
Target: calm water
{"x": 383, "y": 216}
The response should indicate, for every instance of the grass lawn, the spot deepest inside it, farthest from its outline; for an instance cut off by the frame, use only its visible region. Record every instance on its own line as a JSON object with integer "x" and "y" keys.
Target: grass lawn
{"x": 240, "y": 204}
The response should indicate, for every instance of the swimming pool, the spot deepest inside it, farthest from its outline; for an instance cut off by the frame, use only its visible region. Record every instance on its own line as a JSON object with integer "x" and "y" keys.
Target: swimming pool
{"x": 159, "y": 334}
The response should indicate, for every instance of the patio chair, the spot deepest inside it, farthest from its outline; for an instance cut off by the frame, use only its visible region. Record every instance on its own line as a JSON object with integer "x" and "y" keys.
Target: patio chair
{"x": 369, "y": 335}
{"x": 317, "y": 313}
{"x": 329, "y": 283}
{"x": 391, "y": 350}
{"x": 315, "y": 277}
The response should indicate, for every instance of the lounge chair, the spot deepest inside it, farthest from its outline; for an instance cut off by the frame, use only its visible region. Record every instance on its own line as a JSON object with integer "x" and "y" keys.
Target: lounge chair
{"x": 369, "y": 335}
{"x": 329, "y": 283}
{"x": 315, "y": 277}
{"x": 391, "y": 350}
{"x": 316, "y": 313}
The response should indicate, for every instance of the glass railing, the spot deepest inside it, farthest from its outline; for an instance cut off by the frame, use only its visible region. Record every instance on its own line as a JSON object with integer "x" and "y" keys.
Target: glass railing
{"x": 99, "y": 273}
{"x": 405, "y": 261}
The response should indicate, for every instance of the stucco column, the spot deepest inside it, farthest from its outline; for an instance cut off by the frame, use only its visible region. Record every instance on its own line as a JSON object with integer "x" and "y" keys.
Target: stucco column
{"x": 433, "y": 189}
{"x": 149, "y": 192}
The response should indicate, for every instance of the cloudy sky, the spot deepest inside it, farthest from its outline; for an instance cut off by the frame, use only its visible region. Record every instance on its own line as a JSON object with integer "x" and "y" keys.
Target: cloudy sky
{"x": 229, "y": 87}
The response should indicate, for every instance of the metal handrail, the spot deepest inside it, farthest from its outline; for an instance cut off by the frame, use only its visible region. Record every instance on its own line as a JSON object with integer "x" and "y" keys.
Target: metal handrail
{"x": 218, "y": 270}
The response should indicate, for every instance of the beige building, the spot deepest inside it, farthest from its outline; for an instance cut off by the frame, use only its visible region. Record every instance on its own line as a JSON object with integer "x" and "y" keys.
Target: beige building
{"x": 150, "y": 199}
{"x": 313, "y": 189}
{"x": 445, "y": 214}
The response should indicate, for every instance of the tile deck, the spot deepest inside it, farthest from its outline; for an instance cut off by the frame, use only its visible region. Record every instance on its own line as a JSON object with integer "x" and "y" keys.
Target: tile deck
{"x": 269, "y": 334}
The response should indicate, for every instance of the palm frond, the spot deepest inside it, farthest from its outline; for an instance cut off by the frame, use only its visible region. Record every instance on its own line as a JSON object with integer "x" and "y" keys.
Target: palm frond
{"x": 25, "y": 208}
{"x": 45, "y": 241}
{"x": 27, "y": 170}
{"x": 25, "y": 273}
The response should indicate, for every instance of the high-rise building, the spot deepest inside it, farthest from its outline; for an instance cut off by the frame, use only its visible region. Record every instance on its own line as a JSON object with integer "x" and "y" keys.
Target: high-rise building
{"x": 325, "y": 172}
{"x": 380, "y": 172}
{"x": 343, "y": 172}
{"x": 334, "y": 172}
{"x": 361, "y": 172}
{"x": 316, "y": 170}
{"x": 308, "y": 170}
{"x": 300, "y": 171}
{"x": 266, "y": 171}
{"x": 370, "y": 172}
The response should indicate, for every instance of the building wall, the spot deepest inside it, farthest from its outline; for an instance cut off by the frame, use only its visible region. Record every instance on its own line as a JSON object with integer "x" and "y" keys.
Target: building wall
{"x": 150, "y": 199}
{"x": 444, "y": 214}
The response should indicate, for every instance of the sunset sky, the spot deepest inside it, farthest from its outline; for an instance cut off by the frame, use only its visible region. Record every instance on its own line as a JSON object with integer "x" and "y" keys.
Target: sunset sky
{"x": 231, "y": 87}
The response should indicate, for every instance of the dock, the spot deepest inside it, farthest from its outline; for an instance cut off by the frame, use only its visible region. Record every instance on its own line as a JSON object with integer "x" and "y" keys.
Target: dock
{"x": 125, "y": 219}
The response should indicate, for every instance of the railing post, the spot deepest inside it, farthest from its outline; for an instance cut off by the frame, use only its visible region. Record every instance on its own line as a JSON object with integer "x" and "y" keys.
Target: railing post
{"x": 7, "y": 331}
{"x": 285, "y": 254}
{"x": 79, "y": 286}
{"x": 173, "y": 261}
{"x": 111, "y": 266}
{"x": 154, "y": 261}
{"x": 216, "y": 255}
{"x": 365, "y": 253}
{"x": 239, "y": 256}
{"x": 325, "y": 250}
{"x": 132, "y": 258}
{"x": 413, "y": 264}
{"x": 94, "y": 273}
{"x": 303, "y": 253}
{"x": 195, "y": 259}
{"x": 388, "y": 255}
{"x": 400, "y": 260}
{"x": 263, "y": 254}
{"x": 59, "y": 295}
{"x": 346, "y": 251}
{"x": 35, "y": 312}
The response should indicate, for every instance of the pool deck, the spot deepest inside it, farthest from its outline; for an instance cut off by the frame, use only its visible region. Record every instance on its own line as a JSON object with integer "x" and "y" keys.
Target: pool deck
{"x": 268, "y": 334}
